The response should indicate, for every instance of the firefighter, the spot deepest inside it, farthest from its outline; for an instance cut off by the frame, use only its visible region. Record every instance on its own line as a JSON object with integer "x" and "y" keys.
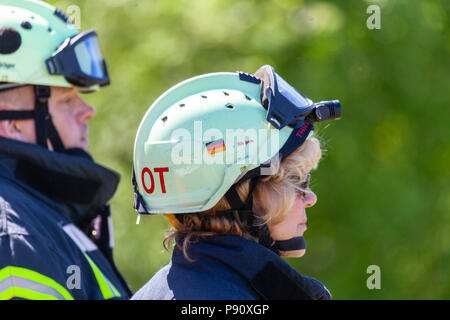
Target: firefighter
{"x": 55, "y": 225}
{"x": 227, "y": 158}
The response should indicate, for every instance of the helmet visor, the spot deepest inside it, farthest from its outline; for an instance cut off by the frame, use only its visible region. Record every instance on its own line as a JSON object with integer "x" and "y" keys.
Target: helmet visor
{"x": 90, "y": 58}
{"x": 291, "y": 94}
{"x": 285, "y": 105}
{"x": 80, "y": 61}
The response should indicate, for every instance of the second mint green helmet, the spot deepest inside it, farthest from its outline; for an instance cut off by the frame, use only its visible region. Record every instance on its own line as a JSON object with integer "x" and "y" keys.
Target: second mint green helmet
{"x": 39, "y": 45}
{"x": 209, "y": 132}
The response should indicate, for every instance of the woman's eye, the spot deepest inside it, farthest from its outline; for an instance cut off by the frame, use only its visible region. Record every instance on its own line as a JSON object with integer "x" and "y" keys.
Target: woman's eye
{"x": 304, "y": 185}
{"x": 302, "y": 192}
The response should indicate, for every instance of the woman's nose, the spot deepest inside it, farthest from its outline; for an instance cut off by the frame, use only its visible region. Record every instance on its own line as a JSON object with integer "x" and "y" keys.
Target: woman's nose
{"x": 309, "y": 199}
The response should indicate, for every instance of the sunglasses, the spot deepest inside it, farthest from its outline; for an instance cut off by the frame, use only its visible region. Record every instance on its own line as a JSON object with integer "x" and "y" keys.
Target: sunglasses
{"x": 303, "y": 185}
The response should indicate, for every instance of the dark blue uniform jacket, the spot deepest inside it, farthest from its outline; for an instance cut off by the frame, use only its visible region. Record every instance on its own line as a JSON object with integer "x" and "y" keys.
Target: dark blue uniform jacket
{"x": 55, "y": 228}
{"x": 230, "y": 268}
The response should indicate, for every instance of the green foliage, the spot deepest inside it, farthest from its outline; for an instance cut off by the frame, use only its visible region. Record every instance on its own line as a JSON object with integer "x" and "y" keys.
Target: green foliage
{"x": 383, "y": 186}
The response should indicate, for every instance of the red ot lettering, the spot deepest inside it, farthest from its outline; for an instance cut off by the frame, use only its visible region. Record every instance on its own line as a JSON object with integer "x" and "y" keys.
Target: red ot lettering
{"x": 161, "y": 179}
{"x": 147, "y": 170}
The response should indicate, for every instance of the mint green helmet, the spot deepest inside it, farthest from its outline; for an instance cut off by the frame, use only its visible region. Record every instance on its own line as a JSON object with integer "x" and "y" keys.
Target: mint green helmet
{"x": 209, "y": 132}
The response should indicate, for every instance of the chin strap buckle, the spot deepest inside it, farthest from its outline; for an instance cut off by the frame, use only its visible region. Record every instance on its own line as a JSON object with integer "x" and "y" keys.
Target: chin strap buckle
{"x": 296, "y": 243}
{"x": 45, "y": 129}
{"x": 42, "y": 93}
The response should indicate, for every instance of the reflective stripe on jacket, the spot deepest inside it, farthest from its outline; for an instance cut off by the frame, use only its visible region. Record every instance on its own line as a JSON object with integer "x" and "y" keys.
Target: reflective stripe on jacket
{"x": 48, "y": 202}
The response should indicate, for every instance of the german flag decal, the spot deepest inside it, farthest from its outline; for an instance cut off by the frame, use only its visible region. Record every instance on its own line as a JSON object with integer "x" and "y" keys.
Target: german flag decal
{"x": 215, "y": 146}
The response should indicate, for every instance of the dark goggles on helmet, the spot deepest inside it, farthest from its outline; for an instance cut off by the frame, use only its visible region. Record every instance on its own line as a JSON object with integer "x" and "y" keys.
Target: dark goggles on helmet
{"x": 288, "y": 107}
{"x": 80, "y": 61}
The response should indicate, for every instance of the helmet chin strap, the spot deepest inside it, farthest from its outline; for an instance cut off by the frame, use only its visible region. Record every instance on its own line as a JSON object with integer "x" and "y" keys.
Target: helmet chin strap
{"x": 296, "y": 243}
{"x": 44, "y": 127}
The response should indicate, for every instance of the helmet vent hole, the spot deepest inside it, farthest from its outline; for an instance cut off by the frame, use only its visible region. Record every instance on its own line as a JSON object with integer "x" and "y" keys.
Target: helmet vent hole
{"x": 181, "y": 105}
{"x": 203, "y": 96}
{"x": 225, "y": 93}
{"x": 229, "y": 106}
{"x": 248, "y": 98}
{"x": 26, "y": 25}
{"x": 164, "y": 119}
{"x": 10, "y": 40}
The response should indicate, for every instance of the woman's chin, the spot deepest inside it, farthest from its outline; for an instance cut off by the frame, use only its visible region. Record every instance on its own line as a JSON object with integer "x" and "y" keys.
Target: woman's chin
{"x": 293, "y": 253}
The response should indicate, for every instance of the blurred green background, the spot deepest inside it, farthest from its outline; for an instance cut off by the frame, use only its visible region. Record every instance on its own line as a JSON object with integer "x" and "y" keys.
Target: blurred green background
{"x": 383, "y": 185}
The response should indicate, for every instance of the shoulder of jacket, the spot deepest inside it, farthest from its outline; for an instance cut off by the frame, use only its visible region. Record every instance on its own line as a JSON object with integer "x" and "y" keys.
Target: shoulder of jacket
{"x": 24, "y": 213}
{"x": 10, "y": 221}
{"x": 173, "y": 282}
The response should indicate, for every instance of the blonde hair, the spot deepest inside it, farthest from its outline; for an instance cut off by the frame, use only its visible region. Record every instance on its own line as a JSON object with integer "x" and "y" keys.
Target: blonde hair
{"x": 273, "y": 197}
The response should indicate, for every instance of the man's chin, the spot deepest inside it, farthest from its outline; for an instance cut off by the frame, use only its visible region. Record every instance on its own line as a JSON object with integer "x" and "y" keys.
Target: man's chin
{"x": 83, "y": 144}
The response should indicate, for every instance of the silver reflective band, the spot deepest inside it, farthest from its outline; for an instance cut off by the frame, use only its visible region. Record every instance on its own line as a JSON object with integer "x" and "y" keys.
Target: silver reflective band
{"x": 14, "y": 281}
{"x": 81, "y": 240}
{"x": 111, "y": 232}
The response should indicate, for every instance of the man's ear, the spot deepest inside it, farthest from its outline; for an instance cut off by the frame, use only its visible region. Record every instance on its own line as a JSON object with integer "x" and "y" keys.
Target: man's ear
{"x": 3, "y": 128}
{"x": 10, "y": 129}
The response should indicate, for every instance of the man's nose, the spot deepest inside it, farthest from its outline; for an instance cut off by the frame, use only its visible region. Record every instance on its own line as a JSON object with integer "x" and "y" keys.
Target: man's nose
{"x": 86, "y": 112}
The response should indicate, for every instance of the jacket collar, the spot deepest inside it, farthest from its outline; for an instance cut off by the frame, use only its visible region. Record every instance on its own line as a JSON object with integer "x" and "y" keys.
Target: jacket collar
{"x": 268, "y": 274}
{"x": 72, "y": 182}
